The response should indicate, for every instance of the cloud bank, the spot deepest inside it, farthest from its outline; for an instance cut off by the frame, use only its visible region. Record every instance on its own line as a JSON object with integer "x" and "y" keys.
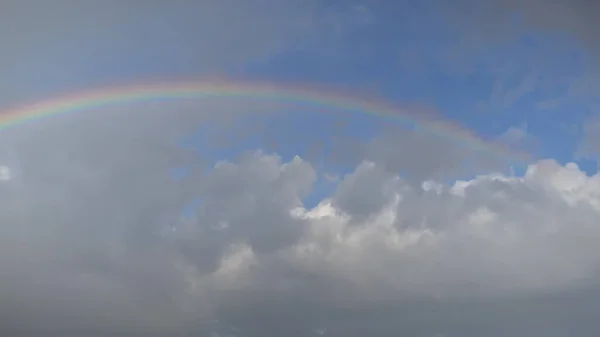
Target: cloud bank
{"x": 93, "y": 240}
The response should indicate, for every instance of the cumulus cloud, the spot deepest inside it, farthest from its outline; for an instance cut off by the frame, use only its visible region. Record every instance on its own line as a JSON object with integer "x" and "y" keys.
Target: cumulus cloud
{"x": 490, "y": 232}
{"x": 493, "y": 238}
{"x": 93, "y": 240}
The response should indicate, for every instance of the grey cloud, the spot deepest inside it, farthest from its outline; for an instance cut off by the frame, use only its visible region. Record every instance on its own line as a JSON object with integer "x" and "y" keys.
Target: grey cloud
{"x": 97, "y": 235}
{"x": 518, "y": 138}
{"x": 572, "y": 17}
{"x": 247, "y": 202}
{"x": 548, "y": 104}
{"x": 483, "y": 35}
{"x": 60, "y": 45}
{"x": 476, "y": 258}
{"x": 589, "y": 146}
{"x": 525, "y": 87}
{"x": 365, "y": 191}
{"x": 83, "y": 217}
{"x": 421, "y": 155}
{"x": 504, "y": 98}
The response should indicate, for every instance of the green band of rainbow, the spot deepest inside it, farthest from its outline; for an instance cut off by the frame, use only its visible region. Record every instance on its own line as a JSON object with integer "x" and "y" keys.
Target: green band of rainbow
{"x": 91, "y": 99}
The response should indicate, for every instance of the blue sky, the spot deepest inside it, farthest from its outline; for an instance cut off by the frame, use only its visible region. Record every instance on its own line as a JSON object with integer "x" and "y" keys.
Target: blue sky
{"x": 484, "y": 99}
{"x": 405, "y": 54}
{"x": 402, "y": 61}
{"x": 396, "y": 51}
{"x": 458, "y": 97}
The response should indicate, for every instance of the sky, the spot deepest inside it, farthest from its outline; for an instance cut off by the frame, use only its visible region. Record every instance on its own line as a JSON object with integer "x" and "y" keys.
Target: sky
{"x": 239, "y": 217}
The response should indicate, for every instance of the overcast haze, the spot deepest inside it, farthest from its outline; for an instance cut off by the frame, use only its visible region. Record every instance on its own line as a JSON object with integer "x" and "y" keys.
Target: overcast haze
{"x": 233, "y": 217}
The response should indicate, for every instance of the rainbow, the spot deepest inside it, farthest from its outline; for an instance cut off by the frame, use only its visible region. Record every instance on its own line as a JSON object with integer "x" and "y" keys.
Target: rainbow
{"x": 304, "y": 95}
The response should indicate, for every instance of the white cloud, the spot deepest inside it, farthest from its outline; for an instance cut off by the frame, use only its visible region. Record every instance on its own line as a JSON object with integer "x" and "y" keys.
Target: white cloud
{"x": 489, "y": 238}
{"x": 5, "y": 174}
{"x": 499, "y": 233}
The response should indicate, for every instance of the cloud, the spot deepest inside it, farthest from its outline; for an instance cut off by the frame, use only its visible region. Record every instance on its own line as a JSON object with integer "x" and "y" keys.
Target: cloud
{"x": 400, "y": 261}
{"x": 5, "y": 174}
{"x": 490, "y": 232}
{"x": 92, "y": 239}
{"x": 483, "y": 32}
{"x": 503, "y": 98}
{"x": 518, "y": 138}
{"x": 82, "y": 215}
{"x": 93, "y": 242}
{"x": 590, "y": 139}
{"x": 539, "y": 55}
{"x": 56, "y": 47}
{"x": 572, "y": 17}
